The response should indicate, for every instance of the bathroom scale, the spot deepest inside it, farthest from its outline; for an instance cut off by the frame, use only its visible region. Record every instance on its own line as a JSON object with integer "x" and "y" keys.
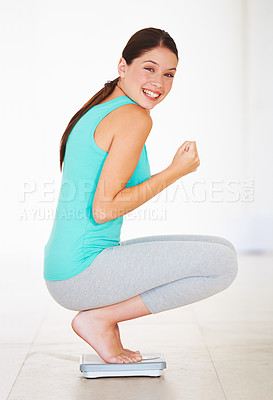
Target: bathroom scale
{"x": 92, "y": 366}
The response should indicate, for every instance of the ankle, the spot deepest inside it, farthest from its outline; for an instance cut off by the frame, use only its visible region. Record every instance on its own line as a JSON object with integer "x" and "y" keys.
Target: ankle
{"x": 100, "y": 315}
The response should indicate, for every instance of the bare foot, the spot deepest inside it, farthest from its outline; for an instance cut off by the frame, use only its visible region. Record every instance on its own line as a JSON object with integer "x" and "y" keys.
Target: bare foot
{"x": 101, "y": 337}
{"x": 118, "y": 336}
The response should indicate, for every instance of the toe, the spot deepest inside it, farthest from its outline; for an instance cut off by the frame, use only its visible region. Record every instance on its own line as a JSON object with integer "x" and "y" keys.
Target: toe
{"x": 136, "y": 358}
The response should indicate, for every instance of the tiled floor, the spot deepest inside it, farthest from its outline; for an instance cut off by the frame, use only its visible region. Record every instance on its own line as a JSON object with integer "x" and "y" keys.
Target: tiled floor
{"x": 220, "y": 348}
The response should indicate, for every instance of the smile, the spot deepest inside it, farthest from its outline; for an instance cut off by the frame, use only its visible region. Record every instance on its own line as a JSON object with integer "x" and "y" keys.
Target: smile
{"x": 150, "y": 94}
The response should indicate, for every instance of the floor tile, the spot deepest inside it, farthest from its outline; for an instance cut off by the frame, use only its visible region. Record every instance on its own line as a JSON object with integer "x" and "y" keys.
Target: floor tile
{"x": 52, "y": 372}
{"x": 12, "y": 357}
{"x": 244, "y": 373}
{"x": 237, "y": 333}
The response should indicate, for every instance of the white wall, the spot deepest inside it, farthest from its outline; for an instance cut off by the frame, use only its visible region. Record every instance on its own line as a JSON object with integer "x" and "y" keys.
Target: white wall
{"x": 256, "y": 219}
{"x": 57, "y": 54}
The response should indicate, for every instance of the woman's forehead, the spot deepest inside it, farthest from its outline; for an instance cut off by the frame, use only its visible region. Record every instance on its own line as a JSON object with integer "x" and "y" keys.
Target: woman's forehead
{"x": 161, "y": 57}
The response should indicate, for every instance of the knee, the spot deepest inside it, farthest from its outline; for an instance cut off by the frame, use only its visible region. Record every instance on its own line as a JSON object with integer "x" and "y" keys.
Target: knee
{"x": 233, "y": 273}
{"x": 230, "y": 270}
{"x": 226, "y": 266}
{"x": 228, "y": 244}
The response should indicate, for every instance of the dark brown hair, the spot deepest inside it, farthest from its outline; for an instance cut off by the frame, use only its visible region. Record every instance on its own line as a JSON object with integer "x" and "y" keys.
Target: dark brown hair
{"x": 142, "y": 41}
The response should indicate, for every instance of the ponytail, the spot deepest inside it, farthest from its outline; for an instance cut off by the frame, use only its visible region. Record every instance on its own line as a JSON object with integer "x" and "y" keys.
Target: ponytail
{"x": 108, "y": 88}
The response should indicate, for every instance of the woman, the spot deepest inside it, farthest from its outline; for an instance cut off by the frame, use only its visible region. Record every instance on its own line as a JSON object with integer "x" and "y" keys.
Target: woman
{"x": 106, "y": 175}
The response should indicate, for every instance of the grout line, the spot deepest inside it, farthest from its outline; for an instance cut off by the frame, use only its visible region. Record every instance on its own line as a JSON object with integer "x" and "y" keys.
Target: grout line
{"x": 203, "y": 336}
{"x": 29, "y": 350}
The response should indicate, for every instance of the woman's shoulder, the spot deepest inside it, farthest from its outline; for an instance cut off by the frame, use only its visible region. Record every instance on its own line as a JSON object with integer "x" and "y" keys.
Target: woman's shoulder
{"x": 122, "y": 118}
{"x": 134, "y": 112}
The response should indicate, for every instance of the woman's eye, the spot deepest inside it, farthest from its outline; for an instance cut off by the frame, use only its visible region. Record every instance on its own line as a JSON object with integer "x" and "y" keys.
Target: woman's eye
{"x": 169, "y": 75}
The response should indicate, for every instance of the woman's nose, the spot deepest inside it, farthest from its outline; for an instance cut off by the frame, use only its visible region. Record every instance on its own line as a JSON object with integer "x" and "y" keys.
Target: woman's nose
{"x": 157, "y": 82}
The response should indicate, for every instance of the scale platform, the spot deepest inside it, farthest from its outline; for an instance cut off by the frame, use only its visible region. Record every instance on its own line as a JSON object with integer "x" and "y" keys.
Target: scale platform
{"x": 92, "y": 366}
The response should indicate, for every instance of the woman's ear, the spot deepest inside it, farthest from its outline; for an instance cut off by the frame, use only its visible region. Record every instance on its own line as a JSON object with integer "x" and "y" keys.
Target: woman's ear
{"x": 122, "y": 67}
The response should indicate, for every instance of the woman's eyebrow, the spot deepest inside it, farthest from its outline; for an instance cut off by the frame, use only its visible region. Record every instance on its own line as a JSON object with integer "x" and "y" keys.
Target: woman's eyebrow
{"x": 155, "y": 64}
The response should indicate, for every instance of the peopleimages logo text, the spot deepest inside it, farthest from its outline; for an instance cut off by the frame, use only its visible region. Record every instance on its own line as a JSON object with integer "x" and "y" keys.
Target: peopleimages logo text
{"x": 39, "y": 200}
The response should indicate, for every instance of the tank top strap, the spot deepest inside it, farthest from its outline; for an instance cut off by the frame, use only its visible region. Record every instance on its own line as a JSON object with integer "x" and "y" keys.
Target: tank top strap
{"x": 114, "y": 103}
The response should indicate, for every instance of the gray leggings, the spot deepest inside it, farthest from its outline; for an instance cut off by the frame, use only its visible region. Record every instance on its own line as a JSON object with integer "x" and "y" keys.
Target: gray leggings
{"x": 168, "y": 271}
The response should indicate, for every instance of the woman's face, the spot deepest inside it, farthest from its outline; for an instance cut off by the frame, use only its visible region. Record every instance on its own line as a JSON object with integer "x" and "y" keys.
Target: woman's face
{"x": 154, "y": 71}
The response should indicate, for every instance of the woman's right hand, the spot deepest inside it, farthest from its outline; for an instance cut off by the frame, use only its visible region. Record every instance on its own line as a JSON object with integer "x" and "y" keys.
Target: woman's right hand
{"x": 186, "y": 159}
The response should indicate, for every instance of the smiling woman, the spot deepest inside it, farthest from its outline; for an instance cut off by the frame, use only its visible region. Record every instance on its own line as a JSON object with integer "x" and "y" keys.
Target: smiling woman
{"x": 103, "y": 153}
{"x": 148, "y": 78}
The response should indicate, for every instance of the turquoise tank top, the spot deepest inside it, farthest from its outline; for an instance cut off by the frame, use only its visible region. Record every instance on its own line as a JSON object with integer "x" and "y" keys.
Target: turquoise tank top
{"x": 76, "y": 239}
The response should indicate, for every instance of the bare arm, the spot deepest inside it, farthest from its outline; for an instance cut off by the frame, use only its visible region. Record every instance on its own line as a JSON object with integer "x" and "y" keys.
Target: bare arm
{"x": 131, "y": 127}
{"x": 130, "y": 198}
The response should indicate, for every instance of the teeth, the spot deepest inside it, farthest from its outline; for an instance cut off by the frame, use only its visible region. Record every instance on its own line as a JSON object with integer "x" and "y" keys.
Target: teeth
{"x": 151, "y": 94}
